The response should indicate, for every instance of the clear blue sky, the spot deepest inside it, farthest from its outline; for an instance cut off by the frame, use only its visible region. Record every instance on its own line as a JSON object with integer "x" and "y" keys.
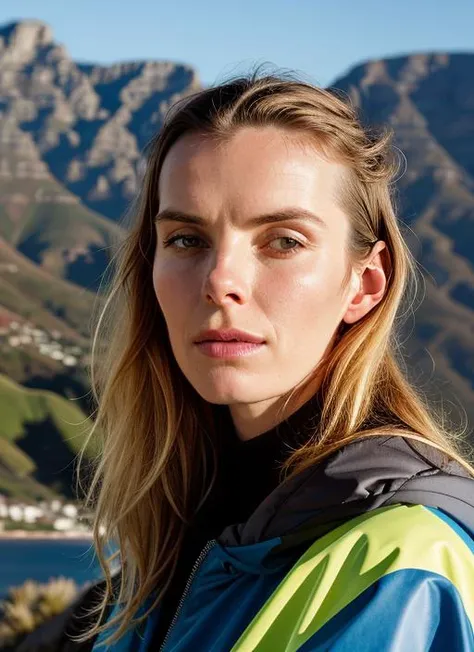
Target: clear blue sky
{"x": 321, "y": 39}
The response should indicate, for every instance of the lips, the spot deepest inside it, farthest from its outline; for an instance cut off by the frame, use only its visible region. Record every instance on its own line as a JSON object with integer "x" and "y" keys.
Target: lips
{"x": 229, "y": 349}
{"x": 229, "y": 335}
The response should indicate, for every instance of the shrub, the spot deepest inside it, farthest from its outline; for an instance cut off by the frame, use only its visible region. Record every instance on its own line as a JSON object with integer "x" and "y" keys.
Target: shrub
{"x": 31, "y": 604}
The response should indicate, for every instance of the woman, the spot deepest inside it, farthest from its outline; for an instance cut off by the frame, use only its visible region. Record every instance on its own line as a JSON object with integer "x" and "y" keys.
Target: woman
{"x": 271, "y": 478}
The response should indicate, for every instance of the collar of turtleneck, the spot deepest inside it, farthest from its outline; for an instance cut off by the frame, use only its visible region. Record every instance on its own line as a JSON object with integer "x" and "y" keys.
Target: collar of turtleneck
{"x": 249, "y": 470}
{"x": 294, "y": 430}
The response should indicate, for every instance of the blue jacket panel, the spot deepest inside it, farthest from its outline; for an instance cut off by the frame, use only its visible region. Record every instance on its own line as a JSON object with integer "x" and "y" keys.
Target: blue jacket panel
{"x": 334, "y": 560}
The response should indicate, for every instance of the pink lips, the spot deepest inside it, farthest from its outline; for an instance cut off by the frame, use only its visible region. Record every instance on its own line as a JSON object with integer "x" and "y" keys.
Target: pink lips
{"x": 228, "y": 349}
{"x": 228, "y": 343}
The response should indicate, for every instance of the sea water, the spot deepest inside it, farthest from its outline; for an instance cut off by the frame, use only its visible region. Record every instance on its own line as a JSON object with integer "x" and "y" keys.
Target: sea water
{"x": 43, "y": 559}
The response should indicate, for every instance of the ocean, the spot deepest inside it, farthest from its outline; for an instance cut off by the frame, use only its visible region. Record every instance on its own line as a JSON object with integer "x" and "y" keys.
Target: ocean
{"x": 42, "y": 559}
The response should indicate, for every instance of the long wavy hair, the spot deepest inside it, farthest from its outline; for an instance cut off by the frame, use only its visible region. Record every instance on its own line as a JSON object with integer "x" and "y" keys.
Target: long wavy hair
{"x": 154, "y": 468}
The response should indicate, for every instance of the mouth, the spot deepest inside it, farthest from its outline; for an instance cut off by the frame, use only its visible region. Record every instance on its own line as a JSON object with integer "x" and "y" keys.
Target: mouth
{"x": 231, "y": 335}
{"x": 228, "y": 348}
{"x": 232, "y": 341}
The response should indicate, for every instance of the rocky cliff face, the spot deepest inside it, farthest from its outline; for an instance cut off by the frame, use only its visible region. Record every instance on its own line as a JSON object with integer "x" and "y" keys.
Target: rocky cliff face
{"x": 88, "y": 124}
{"x": 71, "y": 142}
{"x": 428, "y": 100}
{"x": 71, "y": 137}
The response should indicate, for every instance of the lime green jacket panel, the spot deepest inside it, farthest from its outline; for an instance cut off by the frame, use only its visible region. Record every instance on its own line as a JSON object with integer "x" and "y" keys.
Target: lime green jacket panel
{"x": 340, "y": 566}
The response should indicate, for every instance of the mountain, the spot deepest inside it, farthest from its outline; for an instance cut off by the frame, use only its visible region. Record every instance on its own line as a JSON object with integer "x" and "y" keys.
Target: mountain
{"x": 428, "y": 100}
{"x": 88, "y": 123}
{"x": 72, "y": 137}
{"x": 40, "y": 433}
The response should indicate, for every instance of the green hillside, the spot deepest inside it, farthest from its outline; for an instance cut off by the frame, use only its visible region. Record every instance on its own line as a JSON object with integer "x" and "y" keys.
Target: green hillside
{"x": 49, "y": 302}
{"x": 40, "y": 435}
{"x": 67, "y": 240}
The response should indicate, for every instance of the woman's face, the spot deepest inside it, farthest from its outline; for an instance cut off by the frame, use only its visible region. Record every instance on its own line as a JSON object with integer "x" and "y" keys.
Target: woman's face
{"x": 217, "y": 266}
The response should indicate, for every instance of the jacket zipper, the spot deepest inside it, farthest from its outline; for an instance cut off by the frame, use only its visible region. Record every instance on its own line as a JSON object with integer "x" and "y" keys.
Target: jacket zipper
{"x": 209, "y": 545}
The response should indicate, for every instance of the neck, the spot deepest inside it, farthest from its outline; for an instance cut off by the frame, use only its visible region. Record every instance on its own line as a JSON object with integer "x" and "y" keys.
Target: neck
{"x": 253, "y": 419}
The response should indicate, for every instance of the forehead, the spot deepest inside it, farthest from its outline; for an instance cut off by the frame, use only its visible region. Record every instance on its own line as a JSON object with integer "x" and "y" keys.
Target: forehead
{"x": 257, "y": 169}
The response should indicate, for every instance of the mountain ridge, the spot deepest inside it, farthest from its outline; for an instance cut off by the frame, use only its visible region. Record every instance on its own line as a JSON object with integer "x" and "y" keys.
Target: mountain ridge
{"x": 72, "y": 137}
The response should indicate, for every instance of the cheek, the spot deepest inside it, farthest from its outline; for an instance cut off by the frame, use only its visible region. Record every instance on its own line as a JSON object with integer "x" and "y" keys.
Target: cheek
{"x": 173, "y": 290}
{"x": 304, "y": 297}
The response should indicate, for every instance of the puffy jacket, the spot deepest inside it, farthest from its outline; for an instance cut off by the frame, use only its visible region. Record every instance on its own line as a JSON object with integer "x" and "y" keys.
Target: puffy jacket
{"x": 370, "y": 550}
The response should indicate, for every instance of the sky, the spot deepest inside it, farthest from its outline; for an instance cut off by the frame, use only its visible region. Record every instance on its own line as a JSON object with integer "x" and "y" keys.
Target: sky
{"x": 319, "y": 40}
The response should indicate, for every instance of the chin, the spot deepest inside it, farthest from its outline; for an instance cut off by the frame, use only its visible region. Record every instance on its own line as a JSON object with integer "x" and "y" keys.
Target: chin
{"x": 228, "y": 389}
{"x": 226, "y": 395}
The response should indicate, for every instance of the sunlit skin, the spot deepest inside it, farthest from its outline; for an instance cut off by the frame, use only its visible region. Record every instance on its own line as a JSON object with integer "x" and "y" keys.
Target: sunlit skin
{"x": 283, "y": 281}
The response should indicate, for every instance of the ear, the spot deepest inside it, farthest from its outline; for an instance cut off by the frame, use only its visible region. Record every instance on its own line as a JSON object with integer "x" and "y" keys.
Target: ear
{"x": 370, "y": 284}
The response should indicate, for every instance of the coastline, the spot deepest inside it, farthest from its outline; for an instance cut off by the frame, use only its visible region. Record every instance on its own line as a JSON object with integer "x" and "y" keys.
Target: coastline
{"x": 46, "y": 534}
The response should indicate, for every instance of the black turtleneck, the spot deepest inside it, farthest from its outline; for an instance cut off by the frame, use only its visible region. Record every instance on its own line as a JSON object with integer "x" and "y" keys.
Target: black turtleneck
{"x": 248, "y": 471}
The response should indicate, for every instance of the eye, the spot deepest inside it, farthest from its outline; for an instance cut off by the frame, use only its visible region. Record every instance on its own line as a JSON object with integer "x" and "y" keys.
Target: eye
{"x": 187, "y": 242}
{"x": 290, "y": 245}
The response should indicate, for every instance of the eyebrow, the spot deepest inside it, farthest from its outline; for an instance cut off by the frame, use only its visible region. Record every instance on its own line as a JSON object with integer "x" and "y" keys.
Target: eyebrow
{"x": 283, "y": 215}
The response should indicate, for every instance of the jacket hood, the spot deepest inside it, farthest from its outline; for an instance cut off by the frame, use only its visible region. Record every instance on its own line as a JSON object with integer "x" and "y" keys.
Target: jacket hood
{"x": 362, "y": 476}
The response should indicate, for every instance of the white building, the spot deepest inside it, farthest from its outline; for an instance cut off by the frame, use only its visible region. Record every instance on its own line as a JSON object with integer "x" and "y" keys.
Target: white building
{"x": 55, "y": 505}
{"x": 63, "y": 524}
{"x": 16, "y": 512}
{"x": 32, "y": 513}
{"x": 70, "y": 510}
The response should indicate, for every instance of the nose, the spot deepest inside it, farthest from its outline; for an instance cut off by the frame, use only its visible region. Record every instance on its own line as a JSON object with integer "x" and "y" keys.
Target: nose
{"x": 227, "y": 280}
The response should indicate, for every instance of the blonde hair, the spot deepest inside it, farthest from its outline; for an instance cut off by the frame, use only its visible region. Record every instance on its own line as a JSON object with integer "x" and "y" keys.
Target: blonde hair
{"x": 155, "y": 430}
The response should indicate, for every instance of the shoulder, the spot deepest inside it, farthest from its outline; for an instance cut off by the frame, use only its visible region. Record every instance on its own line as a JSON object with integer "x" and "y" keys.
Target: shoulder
{"x": 396, "y": 537}
{"x": 408, "y": 569}
{"x": 403, "y": 571}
